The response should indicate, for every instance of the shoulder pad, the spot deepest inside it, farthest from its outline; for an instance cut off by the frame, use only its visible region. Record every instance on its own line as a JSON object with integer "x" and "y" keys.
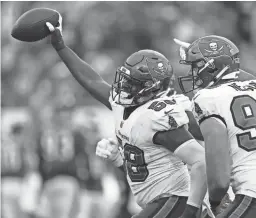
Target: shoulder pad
{"x": 203, "y": 105}
{"x": 165, "y": 114}
{"x": 183, "y": 101}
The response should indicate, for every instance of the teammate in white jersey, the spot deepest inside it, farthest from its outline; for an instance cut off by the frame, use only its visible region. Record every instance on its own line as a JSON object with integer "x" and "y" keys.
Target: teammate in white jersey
{"x": 226, "y": 111}
{"x": 151, "y": 130}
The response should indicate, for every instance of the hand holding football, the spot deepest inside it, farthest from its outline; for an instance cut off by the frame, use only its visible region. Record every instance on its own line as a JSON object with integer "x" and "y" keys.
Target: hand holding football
{"x": 30, "y": 27}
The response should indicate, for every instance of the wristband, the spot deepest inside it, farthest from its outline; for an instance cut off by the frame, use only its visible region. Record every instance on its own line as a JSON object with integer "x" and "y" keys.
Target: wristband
{"x": 57, "y": 40}
{"x": 190, "y": 211}
{"x": 59, "y": 45}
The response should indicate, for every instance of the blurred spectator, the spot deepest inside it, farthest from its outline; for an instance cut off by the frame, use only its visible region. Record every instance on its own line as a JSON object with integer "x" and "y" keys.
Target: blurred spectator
{"x": 19, "y": 180}
{"x": 104, "y": 33}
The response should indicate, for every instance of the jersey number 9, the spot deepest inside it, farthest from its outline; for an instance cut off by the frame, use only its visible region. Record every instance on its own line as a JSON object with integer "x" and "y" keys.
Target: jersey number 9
{"x": 243, "y": 110}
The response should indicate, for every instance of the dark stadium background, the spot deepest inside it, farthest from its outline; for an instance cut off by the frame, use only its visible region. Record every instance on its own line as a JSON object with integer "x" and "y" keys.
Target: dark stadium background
{"x": 34, "y": 79}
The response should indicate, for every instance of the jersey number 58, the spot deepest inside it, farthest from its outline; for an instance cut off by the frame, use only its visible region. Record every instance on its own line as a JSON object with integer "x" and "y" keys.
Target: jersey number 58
{"x": 135, "y": 164}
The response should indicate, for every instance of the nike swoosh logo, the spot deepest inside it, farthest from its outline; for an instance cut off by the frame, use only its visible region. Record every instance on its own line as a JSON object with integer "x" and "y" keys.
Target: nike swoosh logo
{"x": 167, "y": 112}
{"x": 195, "y": 97}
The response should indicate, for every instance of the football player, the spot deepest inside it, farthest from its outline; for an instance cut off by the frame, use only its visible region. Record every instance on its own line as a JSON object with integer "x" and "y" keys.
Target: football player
{"x": 17, "y": 167}
{"x": 60, "y": 152}
{"x": 225, "y": 107}
{"x": 12, "y": 172}
{"x": 151, "y": 129}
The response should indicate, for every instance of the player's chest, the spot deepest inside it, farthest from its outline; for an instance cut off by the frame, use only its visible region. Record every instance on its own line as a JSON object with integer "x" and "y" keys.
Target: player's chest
{"x": 124, "y": 128}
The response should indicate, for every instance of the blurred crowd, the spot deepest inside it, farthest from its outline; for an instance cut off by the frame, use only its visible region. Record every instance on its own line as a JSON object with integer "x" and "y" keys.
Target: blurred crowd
{"x": 44, "y": 108}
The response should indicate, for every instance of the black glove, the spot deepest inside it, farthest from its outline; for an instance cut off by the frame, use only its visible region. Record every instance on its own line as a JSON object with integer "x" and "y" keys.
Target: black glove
{"x": 190, "y": 212}
{"x": 218, "y": 208}
{"x": 56, "y": 35}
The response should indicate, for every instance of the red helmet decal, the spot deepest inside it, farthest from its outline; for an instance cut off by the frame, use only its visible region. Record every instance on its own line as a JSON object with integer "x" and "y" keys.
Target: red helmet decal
{"x": 158, "y": 69}
{"x": 214, "y": 48}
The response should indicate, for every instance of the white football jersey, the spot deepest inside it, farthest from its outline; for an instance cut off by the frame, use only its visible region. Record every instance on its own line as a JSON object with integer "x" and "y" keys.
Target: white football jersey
{"x": 183, "y": 101}
{"x": 152, "y": 170}
{"x": 234, "y": 104}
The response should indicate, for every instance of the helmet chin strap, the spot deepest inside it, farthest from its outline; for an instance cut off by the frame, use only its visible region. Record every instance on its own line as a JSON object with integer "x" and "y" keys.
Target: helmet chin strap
{"x": 208, "y": 63}
{"x": 232, "y": 75}
{"x": 218, "y": 76}
{"x": 156, "y": 84}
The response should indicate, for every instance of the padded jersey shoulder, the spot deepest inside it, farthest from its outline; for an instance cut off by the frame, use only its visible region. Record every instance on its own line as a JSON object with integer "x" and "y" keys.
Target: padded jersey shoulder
{"x": 208, "y": 102}
{"x": 163, "y": 114}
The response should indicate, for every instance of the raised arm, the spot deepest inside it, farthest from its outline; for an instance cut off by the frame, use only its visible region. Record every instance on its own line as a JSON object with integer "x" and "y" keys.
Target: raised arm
{"x": 82, "y": 71}
{"x": 86, "y": 76}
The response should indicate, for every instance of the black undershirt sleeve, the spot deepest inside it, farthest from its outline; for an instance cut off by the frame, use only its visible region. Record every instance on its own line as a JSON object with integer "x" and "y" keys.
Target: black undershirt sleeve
{"x": 193, "y": 127}
{"x": 172, "y": 139}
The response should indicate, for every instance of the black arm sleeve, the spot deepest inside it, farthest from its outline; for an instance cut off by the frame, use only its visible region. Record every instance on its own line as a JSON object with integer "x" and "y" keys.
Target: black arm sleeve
{"x": 121, "y": 168}
{"x": 193, "y": 127}
{"x": 86, "y": 76}
{"x": 172, "y": 139}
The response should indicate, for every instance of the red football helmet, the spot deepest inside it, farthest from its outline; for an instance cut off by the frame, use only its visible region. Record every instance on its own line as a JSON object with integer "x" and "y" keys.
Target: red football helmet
{"x": 212, "y": 59}
{"x": 144, "y": 75}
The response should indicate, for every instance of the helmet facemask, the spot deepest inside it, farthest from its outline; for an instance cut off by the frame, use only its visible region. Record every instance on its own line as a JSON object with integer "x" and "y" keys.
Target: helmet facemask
{"x": 199, "y": 75}
{"x": 129, "y": 92}
{"x": 202, "y": 75}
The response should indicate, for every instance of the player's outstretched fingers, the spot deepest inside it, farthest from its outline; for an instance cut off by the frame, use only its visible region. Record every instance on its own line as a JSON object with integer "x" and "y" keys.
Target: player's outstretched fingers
{"x": 102, "y": 149}
{"x": 112, "y": 145}
{"x": 50, "y": 26}
{"x": 102, "y": 153}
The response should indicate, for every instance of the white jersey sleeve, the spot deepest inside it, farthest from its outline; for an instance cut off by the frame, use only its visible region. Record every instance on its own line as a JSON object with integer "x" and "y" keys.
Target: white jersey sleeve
{"x": 183, "y": 101}
{"x": 171, "y": 117}
{"x": 204, "y": 106}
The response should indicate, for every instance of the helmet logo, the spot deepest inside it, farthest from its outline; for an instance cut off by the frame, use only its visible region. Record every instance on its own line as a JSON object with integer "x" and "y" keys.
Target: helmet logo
{"x": 214, "y": 48}
{"x": 160, "y": 66}
{"x": 161, "y": 69}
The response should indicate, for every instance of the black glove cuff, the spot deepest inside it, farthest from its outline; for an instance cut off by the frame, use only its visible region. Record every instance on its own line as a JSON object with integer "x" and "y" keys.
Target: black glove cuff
{"x": 214, "y": 204}
{"x": 59, "y": 45}
{"x": 57, "y": 40}
{"x": 190, "y": 211}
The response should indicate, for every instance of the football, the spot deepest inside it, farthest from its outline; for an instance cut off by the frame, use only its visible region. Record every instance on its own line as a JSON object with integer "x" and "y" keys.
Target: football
{"x": 30, "y": 27}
